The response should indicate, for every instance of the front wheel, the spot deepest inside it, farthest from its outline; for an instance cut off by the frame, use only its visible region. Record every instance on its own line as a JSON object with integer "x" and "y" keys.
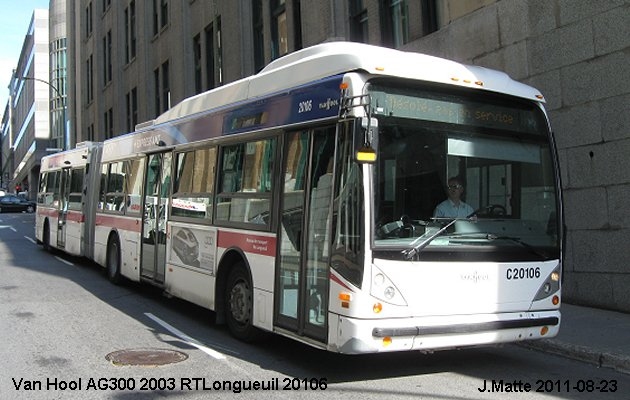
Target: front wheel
{"x": 239, "y": 305}
{"x": 113, "y": 260}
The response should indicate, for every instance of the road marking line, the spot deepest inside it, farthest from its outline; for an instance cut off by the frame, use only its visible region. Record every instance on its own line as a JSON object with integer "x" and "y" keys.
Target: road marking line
{"x": 30, "y": 240}
{"x": 64, "y": 261}
{"x": 13, "y": 229}
{"x": 191, "y": 341}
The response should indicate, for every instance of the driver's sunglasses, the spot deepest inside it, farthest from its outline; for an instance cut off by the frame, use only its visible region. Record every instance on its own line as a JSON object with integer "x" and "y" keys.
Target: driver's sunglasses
{"x": 454, "y": 187}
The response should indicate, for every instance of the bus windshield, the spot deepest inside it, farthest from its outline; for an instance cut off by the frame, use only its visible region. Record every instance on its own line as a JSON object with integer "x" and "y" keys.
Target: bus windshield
{"x": 459, "y": 176}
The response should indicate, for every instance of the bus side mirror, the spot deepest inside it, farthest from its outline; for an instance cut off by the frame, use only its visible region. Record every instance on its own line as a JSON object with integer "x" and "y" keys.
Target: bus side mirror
{"x": 365, "y": 152}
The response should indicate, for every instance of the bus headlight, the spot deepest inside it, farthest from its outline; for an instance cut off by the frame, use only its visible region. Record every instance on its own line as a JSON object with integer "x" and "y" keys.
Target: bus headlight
{"x": 550, "y": 286}
{"x": 384, "y": 289}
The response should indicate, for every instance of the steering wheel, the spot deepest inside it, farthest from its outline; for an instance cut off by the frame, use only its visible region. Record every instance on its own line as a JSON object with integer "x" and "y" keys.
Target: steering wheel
{"x": 493, "y": 210}
{"x": 397, "y": 228}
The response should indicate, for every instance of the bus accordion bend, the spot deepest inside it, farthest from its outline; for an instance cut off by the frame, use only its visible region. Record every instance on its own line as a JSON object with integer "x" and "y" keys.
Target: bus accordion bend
{"x": 303, "y": 201}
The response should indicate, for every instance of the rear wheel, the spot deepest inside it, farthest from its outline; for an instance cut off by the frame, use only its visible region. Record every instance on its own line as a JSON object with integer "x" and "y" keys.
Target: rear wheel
{"x": 239, "y": 305}
{"x": 113, "y": 260}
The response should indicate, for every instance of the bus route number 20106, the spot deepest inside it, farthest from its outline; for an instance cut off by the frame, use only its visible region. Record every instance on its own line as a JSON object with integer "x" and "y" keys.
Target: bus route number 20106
{"x": 523, "y": 273}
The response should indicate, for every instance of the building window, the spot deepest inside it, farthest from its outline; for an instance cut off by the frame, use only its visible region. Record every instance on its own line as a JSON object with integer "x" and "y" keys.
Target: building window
{"x": 156, "y": 83}
{"x": 162, "y": 88}
{"x": 90, "y": 133}
{"x": 210, "y": 80}
{"x": 160, "y": 15}
{"x": 166, "y": 87}
{"x": 130, "y": 32}
{"x": 429, "y": 16}
{"x": 395, "y": 23}
{"x": 358, "y": 21}
{"x": 107, "y": 58}
{"x": 58, "y": 69}
{"x": 297, "y": 24}
{"x": 197, "y": 63}
{"x": 132, "y": 109}
{"x": 108, "y": 119}
{"x": 219, "y": 51}
{"x": 90, "y": 79}
{"x": 279, "y": 35}
{"x": 88, "y": 20}
{"x": 156, "y": 18}
{"x": 259, "y": 38}
{"x": 163, "y": 13}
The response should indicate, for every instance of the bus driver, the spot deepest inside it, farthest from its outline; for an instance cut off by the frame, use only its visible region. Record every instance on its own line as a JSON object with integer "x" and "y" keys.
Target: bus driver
{"x": 453, "y": 207}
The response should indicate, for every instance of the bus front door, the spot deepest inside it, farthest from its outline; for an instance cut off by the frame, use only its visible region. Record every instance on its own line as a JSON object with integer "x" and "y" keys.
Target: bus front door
{"x": 302, "y": 271}
{"x": 64, "y": 197}
{"x": 157, "y": 191}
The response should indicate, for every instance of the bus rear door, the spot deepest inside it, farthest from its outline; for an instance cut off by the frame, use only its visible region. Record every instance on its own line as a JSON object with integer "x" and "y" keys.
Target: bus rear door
{"x": 156, "y": 194}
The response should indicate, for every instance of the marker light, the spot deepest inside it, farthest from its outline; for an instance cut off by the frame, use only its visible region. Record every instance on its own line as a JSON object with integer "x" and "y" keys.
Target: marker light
{"x": 555, "y": 300}
{"x": 387, "y": 341}
{"x": 544, "y": 330}
{"x": 366, "y": 155}
{"x": 343, "y": 85}
{"x": 377, "y": 308}
{"x": 345, "y": 299}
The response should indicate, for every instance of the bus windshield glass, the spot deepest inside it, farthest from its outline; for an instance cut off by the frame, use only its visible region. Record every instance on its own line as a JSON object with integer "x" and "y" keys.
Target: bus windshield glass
{"x": 461, "y": 174}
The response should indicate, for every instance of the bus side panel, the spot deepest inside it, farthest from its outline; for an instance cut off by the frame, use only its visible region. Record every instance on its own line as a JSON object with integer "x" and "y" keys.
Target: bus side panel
{"x": 74, "y": 233}
{"x": 130, "y": 251}
{"x": 101, "y": 233}
{"x": 191, "y": 253}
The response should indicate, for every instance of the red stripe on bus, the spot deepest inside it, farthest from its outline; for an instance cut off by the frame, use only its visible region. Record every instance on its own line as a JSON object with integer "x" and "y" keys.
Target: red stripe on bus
{"x": 47, "y": 212}
{"x": 338, "y": 280}
{"x": 249, "y": 243}
{"x": 75, "y": 216}
{"x": 125, "y": 224}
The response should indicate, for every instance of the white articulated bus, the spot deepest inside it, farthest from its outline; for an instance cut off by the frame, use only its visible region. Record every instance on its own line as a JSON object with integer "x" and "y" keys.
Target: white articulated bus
{"x": 302, "y": 201}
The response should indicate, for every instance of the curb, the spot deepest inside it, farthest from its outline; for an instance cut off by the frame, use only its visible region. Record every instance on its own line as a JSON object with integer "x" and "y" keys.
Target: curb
{"x": 618, "y": 362}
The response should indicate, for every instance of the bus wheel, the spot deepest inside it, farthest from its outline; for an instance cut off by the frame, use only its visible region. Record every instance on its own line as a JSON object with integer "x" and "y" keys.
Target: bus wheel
{"x": 239, "y": 309}
{"x": 46, "y": 237}
{"x": 113, "y": 260}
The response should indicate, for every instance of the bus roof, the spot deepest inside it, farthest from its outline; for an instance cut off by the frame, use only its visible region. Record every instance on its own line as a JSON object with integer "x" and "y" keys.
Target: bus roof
{"x": 328, "y": 59}
{"x": 70, "y": 158}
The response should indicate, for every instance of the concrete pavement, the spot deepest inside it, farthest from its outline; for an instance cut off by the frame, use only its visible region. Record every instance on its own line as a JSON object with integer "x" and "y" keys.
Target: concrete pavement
{"x": 592, "y": 335}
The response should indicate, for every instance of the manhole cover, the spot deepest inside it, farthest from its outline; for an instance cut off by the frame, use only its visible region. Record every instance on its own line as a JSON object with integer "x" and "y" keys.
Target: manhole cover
{"x": 145, "y": 357}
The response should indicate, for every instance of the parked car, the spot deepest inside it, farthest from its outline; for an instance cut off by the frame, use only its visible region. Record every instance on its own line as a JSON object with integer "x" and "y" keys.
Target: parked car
{"x": 13, "y": 203}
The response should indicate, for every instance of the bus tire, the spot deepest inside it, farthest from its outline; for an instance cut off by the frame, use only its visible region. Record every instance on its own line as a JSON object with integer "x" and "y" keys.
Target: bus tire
{"x": 113, "y": 260}
{"x": 46, "y": 236}
{"x": 239, "y": 304}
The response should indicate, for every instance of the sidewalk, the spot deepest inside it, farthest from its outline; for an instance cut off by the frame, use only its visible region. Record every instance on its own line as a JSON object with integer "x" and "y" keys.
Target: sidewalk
{"x": 599, "y": 337}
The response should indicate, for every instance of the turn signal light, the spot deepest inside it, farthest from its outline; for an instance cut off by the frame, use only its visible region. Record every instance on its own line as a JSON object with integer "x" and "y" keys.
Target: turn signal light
{"x": 345, "y": 299}
{"x": 544, "y": 330}
{"x": 377, "y": 308}
{"x": 555, "y": 300}
{"x": 387, "y": 341}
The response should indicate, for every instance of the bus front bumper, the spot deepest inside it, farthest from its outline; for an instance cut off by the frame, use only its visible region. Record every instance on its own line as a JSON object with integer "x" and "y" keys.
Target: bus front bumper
{"x": 355, "y": 336}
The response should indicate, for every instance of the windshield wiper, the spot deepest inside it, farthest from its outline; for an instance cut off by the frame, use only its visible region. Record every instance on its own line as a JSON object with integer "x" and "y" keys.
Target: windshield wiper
{"x": 415, "y": 250}
{"x": 492, "y": 236}
{"x": 411, "y": 252}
